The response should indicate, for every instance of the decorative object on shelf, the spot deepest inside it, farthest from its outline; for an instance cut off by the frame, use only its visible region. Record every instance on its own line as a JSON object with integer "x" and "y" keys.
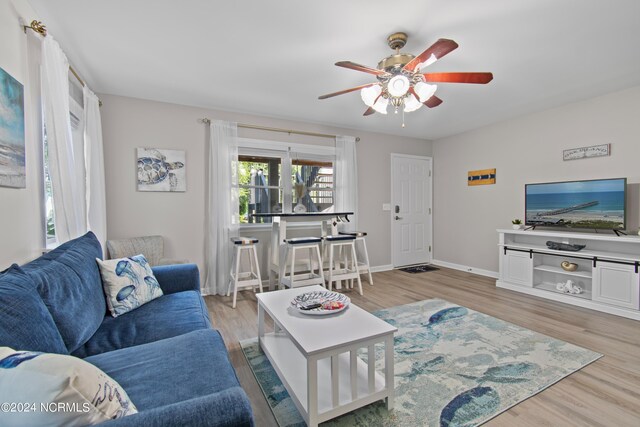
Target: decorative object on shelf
{"x": 401, "y": 82}
{"x": 161, "y": 170}
{"x": 481, "y": 177}
{"x": 569, "y": 287}
{"x": 568, "y": 266}
{"x": 558, "y": 246}
{"x": 301, "y": 191}
{"x": 586, "y": 152}
{"x": 319, "y": 303}
{"x": 12, "y": 142}
{"x": 517, "y": 224}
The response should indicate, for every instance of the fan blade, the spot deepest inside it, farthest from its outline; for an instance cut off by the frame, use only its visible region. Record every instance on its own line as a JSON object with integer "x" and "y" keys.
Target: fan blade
{"x": 369, "y": 111}
{"x": 438, "y": 50}
{"x": 478, "y": 78}
{"x": 432, "y": 102}
{"x": 358, "y": 67}
{"x": 342, "y": 92}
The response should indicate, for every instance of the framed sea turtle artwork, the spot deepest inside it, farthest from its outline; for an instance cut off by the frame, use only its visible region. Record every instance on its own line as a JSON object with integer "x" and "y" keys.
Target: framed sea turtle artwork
{"x": 161, "y": 170}
{"x": 12, "y": 142}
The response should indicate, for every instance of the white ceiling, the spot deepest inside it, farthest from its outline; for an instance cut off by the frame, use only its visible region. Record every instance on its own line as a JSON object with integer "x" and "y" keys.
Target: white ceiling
{"x": 275, "y": 58}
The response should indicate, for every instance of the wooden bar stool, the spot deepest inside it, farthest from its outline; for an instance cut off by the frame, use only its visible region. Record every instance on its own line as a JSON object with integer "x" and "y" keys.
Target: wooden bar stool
{"x": 363, "y": 262}
{"x": 312, "y": 244}
{"x": 244, "y": 279}
{"x": 349, "y": 272}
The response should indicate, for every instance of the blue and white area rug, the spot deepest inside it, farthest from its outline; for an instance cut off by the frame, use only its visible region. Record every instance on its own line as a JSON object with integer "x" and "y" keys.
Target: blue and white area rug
{"x": 453, "y": 367}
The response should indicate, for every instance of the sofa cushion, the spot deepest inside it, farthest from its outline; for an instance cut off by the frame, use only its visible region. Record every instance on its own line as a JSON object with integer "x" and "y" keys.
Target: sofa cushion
{"x": 25, "y": 322}
{"x": 164, "y": 317}
{"x": 68, "y": 280}
{"x": 37, "y": 379}
{"x": 170, "y": 370}
{"x": 128, "y": 283}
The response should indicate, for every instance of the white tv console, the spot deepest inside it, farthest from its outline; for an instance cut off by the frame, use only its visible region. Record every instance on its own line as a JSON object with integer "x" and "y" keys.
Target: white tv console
{"x": 608, "y": 268}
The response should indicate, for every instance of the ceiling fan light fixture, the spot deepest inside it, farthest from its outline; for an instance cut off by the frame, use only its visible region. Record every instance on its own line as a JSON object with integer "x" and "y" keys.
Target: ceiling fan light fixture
{"x": 411, "y": 104}
{"x": 398, "y": 85}
{"x": 381, "y": 105}
{"x": 370, "y": 94}
{"x": 425, "y": 90}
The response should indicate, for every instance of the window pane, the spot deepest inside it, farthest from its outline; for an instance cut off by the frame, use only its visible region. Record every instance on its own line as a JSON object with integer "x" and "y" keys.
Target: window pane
{"x": 254, "y": 170}
{"x": 259, "y": 179}
{"x": 50, "y": 229}
{"x": 312, "y": 184}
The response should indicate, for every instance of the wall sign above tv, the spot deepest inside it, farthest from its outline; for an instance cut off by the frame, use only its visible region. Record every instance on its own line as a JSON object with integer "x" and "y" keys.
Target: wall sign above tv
{"x": 592, "y": 204}
{"x": 586, "y": 152}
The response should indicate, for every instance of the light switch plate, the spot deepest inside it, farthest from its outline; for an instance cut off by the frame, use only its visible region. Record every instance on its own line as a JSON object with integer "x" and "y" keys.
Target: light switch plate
{"x": 386, "y": 206}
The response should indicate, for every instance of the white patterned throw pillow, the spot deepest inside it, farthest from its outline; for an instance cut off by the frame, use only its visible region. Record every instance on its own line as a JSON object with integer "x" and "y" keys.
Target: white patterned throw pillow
{"x": 43, "y": 389}
{"x": 128, "y": 283}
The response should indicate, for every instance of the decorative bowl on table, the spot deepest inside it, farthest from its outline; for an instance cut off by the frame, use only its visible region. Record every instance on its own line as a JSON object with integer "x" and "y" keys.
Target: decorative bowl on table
{"x": 320, "y": 303}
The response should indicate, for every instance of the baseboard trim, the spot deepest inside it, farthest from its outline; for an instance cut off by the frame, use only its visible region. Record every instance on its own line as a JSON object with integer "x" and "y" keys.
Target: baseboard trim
{"x": 380, "y": 268}
{"x": 466, "y": 268}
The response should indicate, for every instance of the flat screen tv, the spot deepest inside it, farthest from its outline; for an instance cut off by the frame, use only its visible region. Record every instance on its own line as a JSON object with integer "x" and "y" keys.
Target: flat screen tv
{"x": 593, "y": 204}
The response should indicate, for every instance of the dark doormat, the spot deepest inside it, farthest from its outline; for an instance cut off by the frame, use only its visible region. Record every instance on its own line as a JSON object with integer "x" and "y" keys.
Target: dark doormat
{"x": 419, "y": 269}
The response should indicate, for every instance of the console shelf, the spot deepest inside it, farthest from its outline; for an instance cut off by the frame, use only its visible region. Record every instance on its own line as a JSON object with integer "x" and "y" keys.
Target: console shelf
{"x": 608, "y": 269}
{"x": 550, "y": 287}
{"x": 558, "y": 270}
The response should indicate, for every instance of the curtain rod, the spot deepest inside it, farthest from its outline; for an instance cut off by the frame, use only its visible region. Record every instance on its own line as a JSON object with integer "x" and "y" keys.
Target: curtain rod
{"x": 272, "y": 129}
{"x": 39, "y": 28}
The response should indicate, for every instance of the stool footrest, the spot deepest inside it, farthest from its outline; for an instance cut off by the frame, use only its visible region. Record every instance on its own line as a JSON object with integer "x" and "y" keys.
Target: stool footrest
{"x": 305, "y": 279}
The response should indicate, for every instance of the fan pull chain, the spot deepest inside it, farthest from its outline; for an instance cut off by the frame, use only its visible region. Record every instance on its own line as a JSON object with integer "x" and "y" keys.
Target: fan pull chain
{"x": 403, "y": 117}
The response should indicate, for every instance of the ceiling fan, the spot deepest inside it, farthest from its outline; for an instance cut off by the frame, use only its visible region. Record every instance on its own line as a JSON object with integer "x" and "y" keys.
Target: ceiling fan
{"x": 400, "y": 80}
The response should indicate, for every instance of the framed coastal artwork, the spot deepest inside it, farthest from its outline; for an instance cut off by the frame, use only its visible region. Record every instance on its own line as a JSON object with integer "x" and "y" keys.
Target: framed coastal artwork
{"x": 481, "y": 177}
{"x": 12, "y": 145}
{"x": 586, "y": 152}
{"x": 161, "y": 170}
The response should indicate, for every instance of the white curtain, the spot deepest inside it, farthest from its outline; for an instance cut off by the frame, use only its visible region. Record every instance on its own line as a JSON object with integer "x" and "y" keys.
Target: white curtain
{"x": 64, "y": 160}
{"x": 222, "y": 205}
{"x": 94, "y": 167}
{"x": 346, "y": 176}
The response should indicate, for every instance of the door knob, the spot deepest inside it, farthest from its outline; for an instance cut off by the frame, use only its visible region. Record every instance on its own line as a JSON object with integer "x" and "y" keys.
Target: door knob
{"x": 397, "y": 217}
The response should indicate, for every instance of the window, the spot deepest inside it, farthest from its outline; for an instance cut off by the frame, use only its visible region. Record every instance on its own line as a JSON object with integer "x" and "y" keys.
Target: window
{"x": 316, "y": 177}
{"x": 262, "y": 166}
{"x": 77, "y": 134}
{"x": 260, "y": 184}
{"x": 50, "y": 228}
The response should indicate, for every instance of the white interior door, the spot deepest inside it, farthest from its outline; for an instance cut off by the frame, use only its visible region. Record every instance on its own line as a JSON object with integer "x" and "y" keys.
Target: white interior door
{"x": 410, "y": 209}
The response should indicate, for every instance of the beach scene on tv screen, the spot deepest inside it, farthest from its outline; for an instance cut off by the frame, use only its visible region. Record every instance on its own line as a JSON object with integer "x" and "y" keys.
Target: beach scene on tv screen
{"x": 579, "y": 204}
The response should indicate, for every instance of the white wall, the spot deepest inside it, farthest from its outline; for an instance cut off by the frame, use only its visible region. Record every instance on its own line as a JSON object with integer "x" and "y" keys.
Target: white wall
{"x": 527, "y": 150}
{"x": 21, "y": 225}
{"x": 129, "y": 123}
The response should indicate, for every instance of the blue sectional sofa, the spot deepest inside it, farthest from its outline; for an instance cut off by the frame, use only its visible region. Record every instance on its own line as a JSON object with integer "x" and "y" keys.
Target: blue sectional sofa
{"x": 165, "y": 354}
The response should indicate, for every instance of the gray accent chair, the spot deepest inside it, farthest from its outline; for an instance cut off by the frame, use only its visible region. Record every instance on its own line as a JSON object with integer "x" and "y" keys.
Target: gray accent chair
{"x": 152, "y": 247}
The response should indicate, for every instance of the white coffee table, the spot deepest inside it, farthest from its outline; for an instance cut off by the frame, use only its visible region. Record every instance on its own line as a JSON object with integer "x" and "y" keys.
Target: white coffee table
{"x": 316, "y": 356}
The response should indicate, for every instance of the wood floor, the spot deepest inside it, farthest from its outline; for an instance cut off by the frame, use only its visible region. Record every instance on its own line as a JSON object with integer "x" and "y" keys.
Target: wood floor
{"x": 605, "y": 393}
